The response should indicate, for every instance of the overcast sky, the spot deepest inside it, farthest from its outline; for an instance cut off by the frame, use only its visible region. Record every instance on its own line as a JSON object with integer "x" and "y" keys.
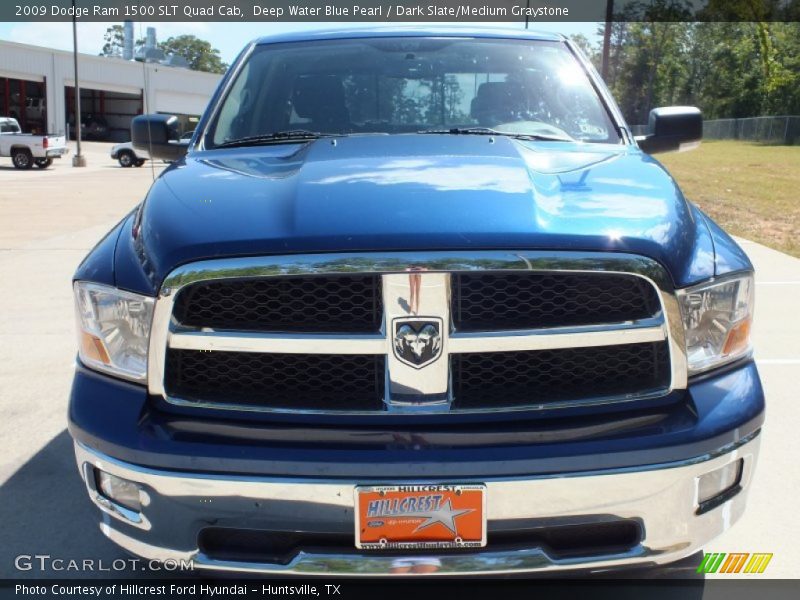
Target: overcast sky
{"x": 229, "y": 38}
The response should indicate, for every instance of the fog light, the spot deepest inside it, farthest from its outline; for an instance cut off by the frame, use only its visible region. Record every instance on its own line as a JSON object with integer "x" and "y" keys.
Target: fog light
{"x": 118, "y": 490}
{"x": 716, "y": 486}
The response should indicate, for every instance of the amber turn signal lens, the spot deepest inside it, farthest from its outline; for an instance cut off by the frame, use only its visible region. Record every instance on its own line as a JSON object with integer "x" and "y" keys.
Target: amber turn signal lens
{"x": 93, "y": 348}
{"x": 738, "y": 338}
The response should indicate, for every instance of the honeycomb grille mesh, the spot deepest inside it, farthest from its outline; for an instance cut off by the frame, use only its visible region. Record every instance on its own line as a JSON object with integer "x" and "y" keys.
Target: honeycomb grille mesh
{"x": 511, "y": 379}
{"x": 289, "y": 381}
{"x": 320, "y": 303}
{"x": 497, "y": 301}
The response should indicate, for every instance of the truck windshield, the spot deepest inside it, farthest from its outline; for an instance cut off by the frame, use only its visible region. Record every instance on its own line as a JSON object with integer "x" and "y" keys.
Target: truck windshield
{"x": 406, "y": 85}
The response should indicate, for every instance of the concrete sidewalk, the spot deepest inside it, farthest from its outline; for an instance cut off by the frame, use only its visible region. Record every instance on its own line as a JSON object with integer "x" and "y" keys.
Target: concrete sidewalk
{"x": 50, "y": 219}
{"x": 770, "y": 523}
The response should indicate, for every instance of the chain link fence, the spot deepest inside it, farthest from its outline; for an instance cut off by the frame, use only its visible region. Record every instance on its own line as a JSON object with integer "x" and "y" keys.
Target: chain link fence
{"x": 772, "y": 130}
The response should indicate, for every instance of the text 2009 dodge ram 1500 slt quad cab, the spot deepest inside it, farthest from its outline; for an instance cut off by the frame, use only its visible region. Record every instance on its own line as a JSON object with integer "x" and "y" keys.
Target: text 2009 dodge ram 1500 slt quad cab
{"x": 416, "y": 301}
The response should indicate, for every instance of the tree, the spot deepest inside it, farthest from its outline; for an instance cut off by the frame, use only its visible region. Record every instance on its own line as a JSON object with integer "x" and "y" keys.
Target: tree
{"x": 728, "y": 69}
{"x": 114, "y": 39}
{"x": 582, "y": 42}
{"x": 200, "y": 55}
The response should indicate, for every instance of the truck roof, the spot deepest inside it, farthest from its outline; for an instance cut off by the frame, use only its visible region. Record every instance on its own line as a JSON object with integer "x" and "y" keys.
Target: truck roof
{"x": 409, "y": 31}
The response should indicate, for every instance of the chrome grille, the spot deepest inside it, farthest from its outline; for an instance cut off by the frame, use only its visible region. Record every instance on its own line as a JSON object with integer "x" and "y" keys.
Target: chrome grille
{"x": 620, "y": 341}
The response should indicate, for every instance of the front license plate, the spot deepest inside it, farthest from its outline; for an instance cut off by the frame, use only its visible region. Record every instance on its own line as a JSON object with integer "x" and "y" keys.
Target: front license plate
{"x": 392, "y": 517}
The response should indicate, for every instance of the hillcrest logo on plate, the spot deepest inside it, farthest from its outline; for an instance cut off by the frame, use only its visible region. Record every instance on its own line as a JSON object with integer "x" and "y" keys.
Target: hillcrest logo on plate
{"x": 421, "y": 516}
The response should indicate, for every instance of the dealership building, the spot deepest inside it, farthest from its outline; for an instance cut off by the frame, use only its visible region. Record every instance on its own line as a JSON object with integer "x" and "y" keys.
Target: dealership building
{"x": 37, "y": 88}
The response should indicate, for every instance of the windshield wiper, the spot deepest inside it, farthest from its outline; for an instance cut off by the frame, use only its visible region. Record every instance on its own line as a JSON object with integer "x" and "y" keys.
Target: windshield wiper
{"x": 490, "y": 131}
{"x": 277, "y": 136}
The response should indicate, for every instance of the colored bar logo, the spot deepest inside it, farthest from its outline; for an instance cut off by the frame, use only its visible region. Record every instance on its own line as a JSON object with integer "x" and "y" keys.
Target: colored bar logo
{"x": 734, "y": 562}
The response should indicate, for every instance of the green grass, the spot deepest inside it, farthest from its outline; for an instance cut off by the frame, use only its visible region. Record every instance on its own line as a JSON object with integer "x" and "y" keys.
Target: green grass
{"x": 751, "y": 190}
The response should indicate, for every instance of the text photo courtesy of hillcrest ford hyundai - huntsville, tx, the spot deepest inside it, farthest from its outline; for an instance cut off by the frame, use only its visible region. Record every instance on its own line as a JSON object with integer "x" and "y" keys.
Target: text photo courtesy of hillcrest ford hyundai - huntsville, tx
{"x": 396, "y": 299}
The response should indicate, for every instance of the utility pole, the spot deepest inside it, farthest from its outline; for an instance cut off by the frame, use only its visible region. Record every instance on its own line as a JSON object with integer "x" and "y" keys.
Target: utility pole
{"x": 607, "y": 39}
{"x": 78, "y": 160}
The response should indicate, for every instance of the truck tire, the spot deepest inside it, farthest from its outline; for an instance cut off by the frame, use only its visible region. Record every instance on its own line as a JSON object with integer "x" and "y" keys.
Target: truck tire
{"x": 126, "y": 159}
{"x": 43, "y": 163}
{"x": 139, "y": 162}
{"x": 22, "y": 158}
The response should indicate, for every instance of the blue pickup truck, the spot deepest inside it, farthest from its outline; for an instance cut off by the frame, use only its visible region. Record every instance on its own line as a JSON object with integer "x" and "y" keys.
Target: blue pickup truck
{"x": 415, "y": 301}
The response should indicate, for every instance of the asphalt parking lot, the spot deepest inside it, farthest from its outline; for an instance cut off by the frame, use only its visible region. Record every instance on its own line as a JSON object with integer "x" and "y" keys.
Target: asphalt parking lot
{"x": 50, "y": 219}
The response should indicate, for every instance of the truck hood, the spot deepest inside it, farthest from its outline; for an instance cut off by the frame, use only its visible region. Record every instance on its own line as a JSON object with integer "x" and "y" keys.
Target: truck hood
{"x": 420, "y": 192}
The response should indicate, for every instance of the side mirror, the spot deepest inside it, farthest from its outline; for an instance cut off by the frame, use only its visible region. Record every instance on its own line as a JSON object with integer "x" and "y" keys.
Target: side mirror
{"x": 672, "y": 128}
{"x": 158, "y": 135}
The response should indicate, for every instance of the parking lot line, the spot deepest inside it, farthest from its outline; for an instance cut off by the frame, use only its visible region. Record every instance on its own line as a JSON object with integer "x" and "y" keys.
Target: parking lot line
{"x": 778, "y": 361}
{"x": 777, "y": 282}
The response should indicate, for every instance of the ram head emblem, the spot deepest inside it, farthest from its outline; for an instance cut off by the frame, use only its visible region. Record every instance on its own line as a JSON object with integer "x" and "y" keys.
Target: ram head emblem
{"x": 417, "y": 342}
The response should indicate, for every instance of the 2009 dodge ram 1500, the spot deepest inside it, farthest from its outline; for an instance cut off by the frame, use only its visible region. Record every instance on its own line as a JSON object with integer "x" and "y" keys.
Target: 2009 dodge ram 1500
{"x": 416, "y": 301}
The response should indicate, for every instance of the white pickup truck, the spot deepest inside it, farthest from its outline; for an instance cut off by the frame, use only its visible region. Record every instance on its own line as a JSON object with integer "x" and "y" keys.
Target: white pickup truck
{"x": 26, "y": 149}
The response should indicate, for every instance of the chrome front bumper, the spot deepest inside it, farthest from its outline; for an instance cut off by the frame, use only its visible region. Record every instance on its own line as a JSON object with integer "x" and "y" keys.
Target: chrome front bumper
{"x": 177, "y": 506}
